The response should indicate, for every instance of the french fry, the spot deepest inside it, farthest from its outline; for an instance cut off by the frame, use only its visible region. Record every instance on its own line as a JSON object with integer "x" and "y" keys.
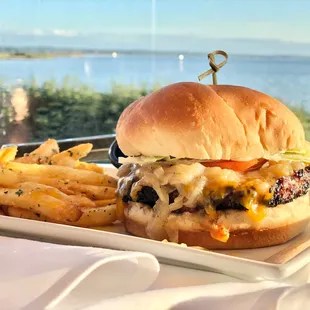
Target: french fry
{"x": 59, "y": 184}
{"x": 63, "y": 173}
{"x": 73, "y": 154}
{"x": 103, "y": 203}
{"x": 82, "y": 202}
{"x": 8, "y": 154}
{"x": 8, "y": 178}
{"x": 71, "y": 157}
{"x": 51, "y": 203}
{"x": 96, "y": 217}
{"x": 66, "y": 162}
{"x": 41, "y": 155}
{"x": 89, "y": 166}
{"x": 25, "y": 214}
{"x": 92, "y": 191}
{"x": 90, "y": 217}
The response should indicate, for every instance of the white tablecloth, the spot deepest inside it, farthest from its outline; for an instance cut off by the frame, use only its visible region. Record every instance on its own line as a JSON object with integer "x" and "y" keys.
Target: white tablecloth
{"x": 173, "y": 277}
{"x": 186, "y": 289}
{"x": 37, "y": 275}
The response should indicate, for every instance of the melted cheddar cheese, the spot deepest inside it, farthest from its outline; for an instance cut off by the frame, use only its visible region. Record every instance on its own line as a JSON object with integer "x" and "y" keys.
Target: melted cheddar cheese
{"x": 120, "y": 207}
{"x": 220, "y": 233}
{"x": 211, "y": 212}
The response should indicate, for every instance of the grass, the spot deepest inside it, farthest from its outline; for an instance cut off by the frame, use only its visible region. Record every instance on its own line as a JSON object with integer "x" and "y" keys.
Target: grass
{"x": 304, "y": 116}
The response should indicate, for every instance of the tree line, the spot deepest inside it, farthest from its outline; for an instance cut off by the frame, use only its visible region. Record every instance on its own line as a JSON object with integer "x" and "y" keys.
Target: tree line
{"x": 36, "y": 112}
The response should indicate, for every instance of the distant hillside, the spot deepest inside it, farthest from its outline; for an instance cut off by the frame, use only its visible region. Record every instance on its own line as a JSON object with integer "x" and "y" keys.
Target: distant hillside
{"x": 50, "y": 51}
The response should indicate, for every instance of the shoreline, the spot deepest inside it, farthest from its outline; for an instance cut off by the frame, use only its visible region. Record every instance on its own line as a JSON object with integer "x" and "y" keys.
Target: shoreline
{"x": 79, "y": 54}
{"x": 7, "y": 56}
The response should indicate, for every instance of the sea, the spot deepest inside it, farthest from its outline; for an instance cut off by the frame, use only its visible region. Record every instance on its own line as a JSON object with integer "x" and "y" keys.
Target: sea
{"x": 286, "y": 78}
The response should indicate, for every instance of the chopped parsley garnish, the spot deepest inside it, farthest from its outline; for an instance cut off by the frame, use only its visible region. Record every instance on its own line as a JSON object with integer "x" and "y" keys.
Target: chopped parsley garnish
{"x": 19, "y": 192}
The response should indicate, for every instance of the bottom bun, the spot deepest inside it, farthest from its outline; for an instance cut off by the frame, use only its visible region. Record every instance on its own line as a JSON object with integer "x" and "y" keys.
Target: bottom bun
{"x": 284, "y": 223}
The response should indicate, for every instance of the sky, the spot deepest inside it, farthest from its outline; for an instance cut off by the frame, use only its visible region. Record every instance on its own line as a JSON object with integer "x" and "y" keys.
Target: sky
{"x": 239, "y": 26}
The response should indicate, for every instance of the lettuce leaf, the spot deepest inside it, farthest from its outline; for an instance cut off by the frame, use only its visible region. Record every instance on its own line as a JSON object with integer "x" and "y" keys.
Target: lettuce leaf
{"x": 139, "y": 160}
{"x": 292, "y": 155}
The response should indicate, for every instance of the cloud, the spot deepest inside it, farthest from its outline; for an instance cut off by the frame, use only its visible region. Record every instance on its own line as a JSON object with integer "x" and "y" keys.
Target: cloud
{"x": 38, "y": 32}
{"x": 64, "y": 33}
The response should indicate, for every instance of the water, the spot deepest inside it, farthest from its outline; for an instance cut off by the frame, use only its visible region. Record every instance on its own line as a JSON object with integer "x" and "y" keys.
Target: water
{"x": 285, "y": 78}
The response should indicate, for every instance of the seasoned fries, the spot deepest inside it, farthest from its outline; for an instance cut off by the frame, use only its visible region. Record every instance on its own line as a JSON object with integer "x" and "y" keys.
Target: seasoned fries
{"x": 93, "y": 217}
{"x": 38, "y": 201}
{"x": 96, "y": 217}
{"x": 73, "y": 154}
{"x": 92, "y": 191}
{"x": 42, "y": 155}
{"x": 24, "y": 213}
{"x": 63, "y": 173}
{"x": 52, "y": 186}
{"x": 7, "y": 154}
{"x": 102, "y": 203}
{"x": 90, "y": 167}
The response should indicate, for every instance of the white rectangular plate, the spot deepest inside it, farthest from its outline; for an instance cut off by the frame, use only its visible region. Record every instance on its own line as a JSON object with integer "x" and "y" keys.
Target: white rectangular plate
{"x": 245, "y": 264}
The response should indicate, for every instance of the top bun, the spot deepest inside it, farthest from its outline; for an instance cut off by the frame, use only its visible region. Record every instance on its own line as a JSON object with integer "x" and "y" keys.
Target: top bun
{"x": 193, "y": 120}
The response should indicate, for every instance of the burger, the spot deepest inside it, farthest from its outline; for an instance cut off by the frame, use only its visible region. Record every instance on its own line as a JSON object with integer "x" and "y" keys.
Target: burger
{"x": 216, "y": 166}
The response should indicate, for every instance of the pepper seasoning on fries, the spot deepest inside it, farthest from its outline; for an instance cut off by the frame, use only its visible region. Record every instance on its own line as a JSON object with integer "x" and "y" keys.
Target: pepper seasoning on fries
{"x": 53, "y": 186}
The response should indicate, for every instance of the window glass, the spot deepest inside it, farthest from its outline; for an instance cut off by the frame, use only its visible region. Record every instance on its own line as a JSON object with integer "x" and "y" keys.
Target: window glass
{"x": 68, "y": 68}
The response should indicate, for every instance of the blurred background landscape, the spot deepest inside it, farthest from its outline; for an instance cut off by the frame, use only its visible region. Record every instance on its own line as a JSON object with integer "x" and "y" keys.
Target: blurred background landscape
{"x": 68, "y": 68}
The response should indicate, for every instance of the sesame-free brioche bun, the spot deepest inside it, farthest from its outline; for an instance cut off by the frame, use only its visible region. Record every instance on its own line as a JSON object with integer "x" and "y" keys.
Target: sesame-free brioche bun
{"x": 217, "y": 122}
{"x": 280, "y": 225}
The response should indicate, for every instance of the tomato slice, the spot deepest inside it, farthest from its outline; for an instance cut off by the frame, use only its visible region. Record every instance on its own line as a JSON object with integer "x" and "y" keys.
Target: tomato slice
{"x": 240, "y": 166}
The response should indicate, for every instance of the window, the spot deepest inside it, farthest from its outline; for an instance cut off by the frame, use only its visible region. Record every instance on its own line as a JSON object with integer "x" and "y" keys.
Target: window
{"x": 68, "y": 68}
